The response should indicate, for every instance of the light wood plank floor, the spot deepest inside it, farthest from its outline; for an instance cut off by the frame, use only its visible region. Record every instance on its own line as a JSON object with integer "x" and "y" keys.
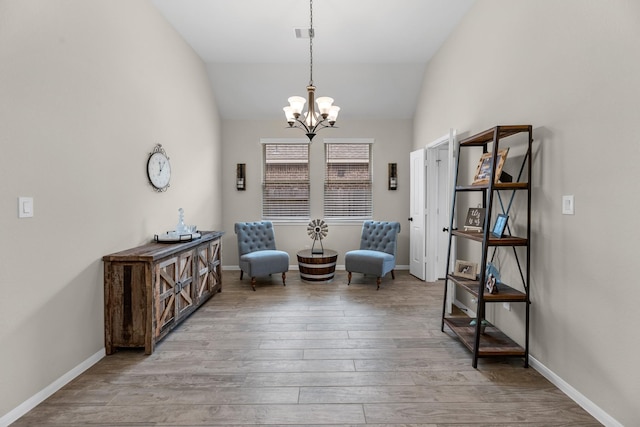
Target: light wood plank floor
{"x": 310, "y": 354}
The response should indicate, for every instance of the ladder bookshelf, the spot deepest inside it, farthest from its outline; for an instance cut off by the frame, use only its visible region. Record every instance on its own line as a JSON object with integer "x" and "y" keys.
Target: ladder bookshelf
{"x": 481, "y": 337}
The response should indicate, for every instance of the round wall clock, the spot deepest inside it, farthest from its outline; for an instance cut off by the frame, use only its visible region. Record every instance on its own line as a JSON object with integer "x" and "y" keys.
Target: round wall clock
{"x": 159, "y": 169}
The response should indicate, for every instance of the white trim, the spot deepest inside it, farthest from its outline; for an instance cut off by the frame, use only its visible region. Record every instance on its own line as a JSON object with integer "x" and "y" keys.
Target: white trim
{"x": 284, "y": 141}
{"x": 444, "y": 139}
{"x": 574, "y": 394}
{"x": 46, "y": 392}
{"x": 288, "y": 221}
{"x": 348, "y": 140}
{"x": 295, "y": 267}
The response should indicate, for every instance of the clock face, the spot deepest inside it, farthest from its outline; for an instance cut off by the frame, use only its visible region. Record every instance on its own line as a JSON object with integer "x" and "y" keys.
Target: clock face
{"x": 159, "y": 171}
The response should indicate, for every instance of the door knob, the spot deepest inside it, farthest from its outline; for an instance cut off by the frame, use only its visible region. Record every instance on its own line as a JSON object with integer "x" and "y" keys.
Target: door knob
{"x": 445, "y": 229}
{"x": 410, "y": 219}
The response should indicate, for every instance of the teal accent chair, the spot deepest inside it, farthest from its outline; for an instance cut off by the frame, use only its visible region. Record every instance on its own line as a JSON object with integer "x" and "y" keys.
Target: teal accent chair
{"x": 377, "y": 253}
{"x": 257, "y": 251}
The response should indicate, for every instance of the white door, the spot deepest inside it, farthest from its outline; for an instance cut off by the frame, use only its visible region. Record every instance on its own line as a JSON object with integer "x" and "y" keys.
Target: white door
{"x": 440, "y": 166}
{"x": 417, "y": 214}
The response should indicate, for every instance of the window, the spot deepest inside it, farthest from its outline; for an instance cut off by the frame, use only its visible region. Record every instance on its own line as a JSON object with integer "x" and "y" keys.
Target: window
{"x": 285, "y": 188}
{"x": 347, "y": 183}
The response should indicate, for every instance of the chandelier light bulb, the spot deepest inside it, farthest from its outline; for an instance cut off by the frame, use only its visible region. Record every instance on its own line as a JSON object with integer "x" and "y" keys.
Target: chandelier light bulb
{"x": 297, "y": 104}
{"x": 288, "y": 112}
{"x": 324, "y": 105}
{"x": 333, "y": 114}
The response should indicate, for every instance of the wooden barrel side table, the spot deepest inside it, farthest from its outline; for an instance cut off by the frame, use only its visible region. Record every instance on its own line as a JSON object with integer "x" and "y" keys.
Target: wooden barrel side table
{"x": 317, "y": 268}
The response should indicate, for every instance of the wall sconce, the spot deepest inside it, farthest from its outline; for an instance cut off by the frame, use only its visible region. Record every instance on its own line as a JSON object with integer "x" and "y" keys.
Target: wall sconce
{"x": 393, "y": 176}
{"x": 241, "y": 176}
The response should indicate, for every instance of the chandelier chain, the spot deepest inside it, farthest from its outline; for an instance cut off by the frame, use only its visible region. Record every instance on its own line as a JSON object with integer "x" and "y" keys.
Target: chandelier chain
{"x": 311, "y": 42}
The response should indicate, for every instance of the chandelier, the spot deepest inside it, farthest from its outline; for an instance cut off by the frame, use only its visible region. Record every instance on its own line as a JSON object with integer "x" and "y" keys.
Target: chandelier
{"x": 312, "y": 120}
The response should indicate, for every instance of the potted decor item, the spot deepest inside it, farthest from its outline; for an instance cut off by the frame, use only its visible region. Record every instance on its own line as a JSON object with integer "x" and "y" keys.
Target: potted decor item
{"x": 483, "y": 325}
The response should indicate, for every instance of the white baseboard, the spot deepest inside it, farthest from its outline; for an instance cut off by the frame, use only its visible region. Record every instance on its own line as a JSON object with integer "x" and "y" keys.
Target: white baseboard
{"x": 562, "y": 385}
{"x": 295, "y": 267}
{"x": 43, "y": 394}
{"x": 574, "y": 394}
{"x": 469, "y": 312}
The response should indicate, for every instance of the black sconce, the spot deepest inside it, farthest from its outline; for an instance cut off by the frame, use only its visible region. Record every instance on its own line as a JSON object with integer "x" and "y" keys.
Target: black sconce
{"x": 241, "y": 176}
{"x": 393, "y": 176}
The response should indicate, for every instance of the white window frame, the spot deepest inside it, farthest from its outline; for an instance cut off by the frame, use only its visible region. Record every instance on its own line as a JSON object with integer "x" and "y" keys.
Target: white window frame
{"x": 347, "y": 218}
{"x": 285, "y": 141}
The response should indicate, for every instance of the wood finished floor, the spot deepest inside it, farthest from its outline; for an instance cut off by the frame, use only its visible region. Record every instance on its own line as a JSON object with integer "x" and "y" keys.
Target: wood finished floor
{"x": 310, "y": 354}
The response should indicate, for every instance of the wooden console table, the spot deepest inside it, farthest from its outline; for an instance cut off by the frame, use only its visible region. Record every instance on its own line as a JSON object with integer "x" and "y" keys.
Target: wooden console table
{"x": 150, "y": 289}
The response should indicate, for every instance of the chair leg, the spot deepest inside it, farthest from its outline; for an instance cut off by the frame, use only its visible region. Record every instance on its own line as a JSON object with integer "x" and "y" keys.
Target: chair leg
{"x": 284, "y": 277}
{"x": 241, "y": 274}
{"x": 253, "y": 283}
{"x": 378, "y": 280}
{"x": 349, "y": 278}
{"x": 393, "y": 276}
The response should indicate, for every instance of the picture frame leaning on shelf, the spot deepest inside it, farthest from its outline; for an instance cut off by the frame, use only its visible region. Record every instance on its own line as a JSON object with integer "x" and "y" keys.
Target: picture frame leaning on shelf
{"x": 465, "y": 269}
{"x": 500, "y": 225}
{"x": 483, "y": 170}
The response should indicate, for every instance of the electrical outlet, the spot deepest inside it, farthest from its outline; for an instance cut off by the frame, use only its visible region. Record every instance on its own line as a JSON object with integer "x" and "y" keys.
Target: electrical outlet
{"x": 506, "y": 306}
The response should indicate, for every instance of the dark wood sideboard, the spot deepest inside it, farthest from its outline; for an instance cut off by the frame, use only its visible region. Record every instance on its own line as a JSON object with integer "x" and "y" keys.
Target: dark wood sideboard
{"x": 150, "y": 289}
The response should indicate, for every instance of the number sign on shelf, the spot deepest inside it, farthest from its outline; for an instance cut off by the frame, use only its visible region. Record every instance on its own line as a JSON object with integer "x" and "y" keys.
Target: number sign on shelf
{"x": 475, "y": 219}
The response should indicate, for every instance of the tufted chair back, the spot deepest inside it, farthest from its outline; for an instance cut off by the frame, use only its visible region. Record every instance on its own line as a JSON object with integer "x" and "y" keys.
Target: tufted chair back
{"x": 380, "y": 236}
{"x": 255, "y": 236}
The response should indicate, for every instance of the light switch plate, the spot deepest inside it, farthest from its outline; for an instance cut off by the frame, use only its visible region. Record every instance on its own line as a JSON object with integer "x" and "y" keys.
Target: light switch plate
{"x": 25, "y": 207}
{"x": 568, "y": 206}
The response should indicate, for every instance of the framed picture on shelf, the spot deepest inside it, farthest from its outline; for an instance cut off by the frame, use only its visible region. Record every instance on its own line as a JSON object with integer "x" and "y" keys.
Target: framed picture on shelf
{"x": 474, "y": 220}
{"x": 465, "y": 269}
{"x": 499, "y": 226}
{"x": 483, "y": 170}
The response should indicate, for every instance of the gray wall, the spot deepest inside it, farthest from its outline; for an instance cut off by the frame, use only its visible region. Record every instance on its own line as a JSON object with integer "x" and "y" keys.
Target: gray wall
{"x": 87, "y": 89}
{"x": 242, "y": 145}
{"x": 570, "y": 68}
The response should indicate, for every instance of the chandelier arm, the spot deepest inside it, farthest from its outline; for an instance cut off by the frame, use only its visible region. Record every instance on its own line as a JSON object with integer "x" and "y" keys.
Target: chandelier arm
{"x": 320, "y": 125}
{"x": 301, "y": 125}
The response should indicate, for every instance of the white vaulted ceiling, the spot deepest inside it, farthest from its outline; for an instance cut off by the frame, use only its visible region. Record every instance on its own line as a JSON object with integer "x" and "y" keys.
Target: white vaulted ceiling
{"x": 369, "y": 55}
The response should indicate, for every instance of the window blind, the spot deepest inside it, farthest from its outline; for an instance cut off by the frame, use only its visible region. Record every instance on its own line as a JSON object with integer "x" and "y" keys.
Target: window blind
{"x": 285, "y": 190}
{"x": 347, "y": 186}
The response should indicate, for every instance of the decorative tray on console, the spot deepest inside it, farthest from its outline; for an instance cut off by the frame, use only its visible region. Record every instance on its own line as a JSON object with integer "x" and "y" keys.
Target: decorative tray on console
{"x": 173, "y": 237}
